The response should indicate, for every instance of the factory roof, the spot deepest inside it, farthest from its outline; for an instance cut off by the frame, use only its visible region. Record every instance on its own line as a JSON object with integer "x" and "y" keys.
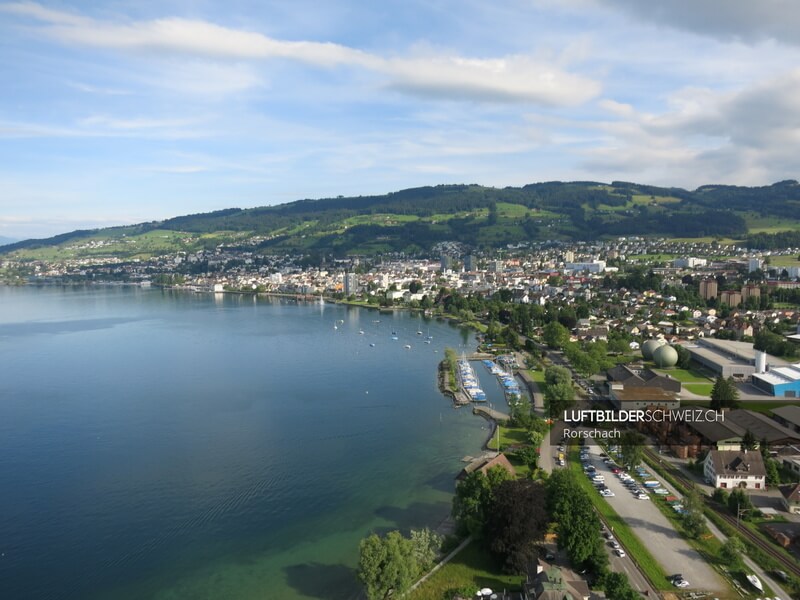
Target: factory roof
{"x": 780, "y": 375}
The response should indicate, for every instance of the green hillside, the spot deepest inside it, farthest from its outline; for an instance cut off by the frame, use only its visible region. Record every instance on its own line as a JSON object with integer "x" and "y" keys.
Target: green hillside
{"x": 415, "y": 219}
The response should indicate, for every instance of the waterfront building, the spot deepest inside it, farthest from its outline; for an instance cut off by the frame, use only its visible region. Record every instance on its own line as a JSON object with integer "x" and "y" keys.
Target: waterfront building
{"x": 350, "y": 284}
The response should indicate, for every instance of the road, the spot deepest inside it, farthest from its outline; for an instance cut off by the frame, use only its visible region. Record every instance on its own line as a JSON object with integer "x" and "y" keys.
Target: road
{"x": 657, "y": 533}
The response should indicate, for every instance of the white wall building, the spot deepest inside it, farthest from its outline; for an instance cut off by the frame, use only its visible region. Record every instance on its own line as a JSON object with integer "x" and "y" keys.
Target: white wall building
{"x": 735, "y": 469}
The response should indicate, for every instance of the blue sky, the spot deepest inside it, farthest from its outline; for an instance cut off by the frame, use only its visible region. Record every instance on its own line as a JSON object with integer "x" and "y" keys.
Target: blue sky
{"x": 130, "y": 111}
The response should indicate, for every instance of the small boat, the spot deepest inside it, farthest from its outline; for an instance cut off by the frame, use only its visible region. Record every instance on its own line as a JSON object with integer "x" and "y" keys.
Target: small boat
{"x": 755, "y": 582}
{"x": 372, "y": 345}
{"x": 427, "y": 341}
{"x": 360, "y": 332}
{"x": 394, "y": 337}
{"x": 419, "y": 333}
{"x": 335, "y": 326}
{"x": 407, "y": 346}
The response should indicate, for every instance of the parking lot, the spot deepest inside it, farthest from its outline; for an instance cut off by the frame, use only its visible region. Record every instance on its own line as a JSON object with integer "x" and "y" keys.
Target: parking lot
{"x": 655, "y": 531}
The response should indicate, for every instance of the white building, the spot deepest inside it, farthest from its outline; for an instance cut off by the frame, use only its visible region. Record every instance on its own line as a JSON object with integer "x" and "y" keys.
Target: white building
{"x": 596, "y": 266}
{"x": 735, "y": 469}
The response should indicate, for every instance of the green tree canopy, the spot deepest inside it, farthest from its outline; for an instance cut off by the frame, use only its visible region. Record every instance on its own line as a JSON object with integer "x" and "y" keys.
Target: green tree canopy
{"x": 516, "y": 519}
{"x": 555, "y": 335}
{"x": 724, "y": 393}
{"x": 387, "y": 566}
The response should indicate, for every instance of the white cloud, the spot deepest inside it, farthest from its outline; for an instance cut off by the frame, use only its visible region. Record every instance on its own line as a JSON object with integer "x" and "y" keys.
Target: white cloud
{"x": 503, "y": 79}
{"x": 747, "y": 137}
{"x": 746, "y": 20}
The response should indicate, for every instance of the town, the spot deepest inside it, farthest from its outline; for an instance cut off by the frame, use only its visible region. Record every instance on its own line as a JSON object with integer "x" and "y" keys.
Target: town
{"x": 640, "y": 325}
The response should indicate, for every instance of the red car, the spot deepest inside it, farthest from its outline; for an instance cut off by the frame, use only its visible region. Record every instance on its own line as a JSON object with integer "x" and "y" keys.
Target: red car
{"x": 616, "y": 470}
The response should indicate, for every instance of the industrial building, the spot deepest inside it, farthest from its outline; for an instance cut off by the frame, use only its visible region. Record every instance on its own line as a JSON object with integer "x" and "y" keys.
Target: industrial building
{"x": 596, "y": 266}
{"x": 634, "y": 398}
{"x": 780, "y": 381}
{"x": 732, "y": 359}
{"x": 633, "y": 376}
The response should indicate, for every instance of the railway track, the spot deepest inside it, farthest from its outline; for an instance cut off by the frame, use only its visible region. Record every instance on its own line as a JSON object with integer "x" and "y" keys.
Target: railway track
{"x": 787, "y": 563}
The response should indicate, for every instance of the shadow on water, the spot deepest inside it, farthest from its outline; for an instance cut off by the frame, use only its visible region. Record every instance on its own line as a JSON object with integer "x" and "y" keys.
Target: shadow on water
{"x": 415, "y": 515}
{"x": 328, "y": 582}
{"x": 443, "y": 482}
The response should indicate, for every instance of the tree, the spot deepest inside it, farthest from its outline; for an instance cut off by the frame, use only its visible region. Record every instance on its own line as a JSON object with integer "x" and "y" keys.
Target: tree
{"x": 559, "y": 397}
{"x": 516, "y": 519}
{"x": 763, "y": 447}
{"x": 555, "y": 375}
{"x": 386, "y": 565}
{"x": 739, "y": 502}
{"x": 426, "y": 545}
{"x": 749, "y": 441}
{"x": 578, "y": 524}
{"x": 555, "y": 335}
{"x": 617, "y": 586}
{"x": 693, "y": 516}
{"x": 731, "y": 553}
{"x": 724, "y": 394}
{"x": 684, "y": 356}
{"x": 720, "y": 495}
{"x": 630, "y": 445}
{"x": 473, "y": 496}
{"x": 773, "y": 472}
{"x": 469, "y": 503}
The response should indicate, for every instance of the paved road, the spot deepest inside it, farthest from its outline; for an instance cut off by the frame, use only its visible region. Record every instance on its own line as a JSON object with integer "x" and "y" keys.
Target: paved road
{"x": 765, "y": 576}
{"x": 657, "y": 533}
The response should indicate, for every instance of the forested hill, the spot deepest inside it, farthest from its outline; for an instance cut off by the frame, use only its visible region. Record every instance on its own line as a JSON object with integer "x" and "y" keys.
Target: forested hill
{"x": 415, "y": 219}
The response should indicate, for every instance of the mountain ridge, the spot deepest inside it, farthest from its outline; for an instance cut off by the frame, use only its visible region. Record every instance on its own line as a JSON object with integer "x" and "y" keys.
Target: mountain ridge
{"x": 415, "y": 219}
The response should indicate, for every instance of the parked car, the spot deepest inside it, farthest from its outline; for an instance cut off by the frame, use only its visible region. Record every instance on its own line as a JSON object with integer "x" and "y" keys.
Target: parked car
{"x": 620, "y": 552}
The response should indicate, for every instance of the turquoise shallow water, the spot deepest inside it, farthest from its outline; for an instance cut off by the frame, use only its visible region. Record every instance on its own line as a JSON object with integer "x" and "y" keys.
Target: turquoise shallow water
{"x": 174, "y": 445}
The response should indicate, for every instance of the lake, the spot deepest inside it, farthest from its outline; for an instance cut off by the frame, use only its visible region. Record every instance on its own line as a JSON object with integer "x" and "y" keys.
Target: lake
{"x": 172, "y": 445}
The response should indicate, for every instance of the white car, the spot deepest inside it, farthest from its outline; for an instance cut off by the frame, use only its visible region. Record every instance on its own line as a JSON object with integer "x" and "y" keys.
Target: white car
{"x": 620, "y": 552}
{"x": 642, "y": 496}
{"x": 607, "y": 493}
{"x": 681, "y": 583}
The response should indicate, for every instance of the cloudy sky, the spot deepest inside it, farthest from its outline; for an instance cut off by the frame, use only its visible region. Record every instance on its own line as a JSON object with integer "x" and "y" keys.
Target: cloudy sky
{"x": 127, "y": 111}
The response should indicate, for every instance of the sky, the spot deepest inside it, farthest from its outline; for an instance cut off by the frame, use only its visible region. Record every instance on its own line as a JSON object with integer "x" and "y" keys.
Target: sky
{"x": 120, "y": 112}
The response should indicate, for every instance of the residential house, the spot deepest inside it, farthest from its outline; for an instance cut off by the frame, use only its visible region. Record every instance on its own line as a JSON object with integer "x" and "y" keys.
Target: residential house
{"x": 484, "y": 464}
{"x": 551, "y": 583}
{"x": 790, "y": 496}
{"x": 735, "y": 469}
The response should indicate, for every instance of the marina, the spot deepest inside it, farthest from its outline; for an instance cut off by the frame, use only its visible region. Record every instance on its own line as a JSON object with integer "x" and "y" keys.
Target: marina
{"x": 469, "y": 381}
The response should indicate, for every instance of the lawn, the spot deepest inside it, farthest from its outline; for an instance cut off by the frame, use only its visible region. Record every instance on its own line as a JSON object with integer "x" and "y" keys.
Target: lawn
{"x": 512, "y": 211}
{"x": 472, "y": 568}
{"x": 686, "y": 375}
{"x": 509, "y": 436}
{"x": 787, "y": 260}
{"x": 701, "y": 389}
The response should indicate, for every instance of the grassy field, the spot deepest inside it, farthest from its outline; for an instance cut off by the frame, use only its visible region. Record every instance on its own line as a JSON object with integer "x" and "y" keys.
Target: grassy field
{"x": 757, "y": 223}
{"x": 701, "y": 389}
{"x": 784, "y": 261}
{"x": 472, "y": 568}
{"x": 686, "y": 375}
{"x": 644, "y": 199}
{"x": 509, "y": 436}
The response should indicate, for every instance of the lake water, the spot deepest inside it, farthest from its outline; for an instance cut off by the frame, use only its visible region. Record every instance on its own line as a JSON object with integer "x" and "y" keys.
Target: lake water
{"x": 171, "y": 445}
